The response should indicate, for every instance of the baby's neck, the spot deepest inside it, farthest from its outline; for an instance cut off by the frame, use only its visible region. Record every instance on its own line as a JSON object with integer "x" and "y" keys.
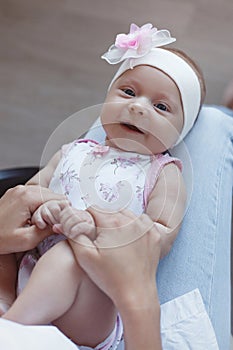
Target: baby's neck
{"x": 108, "y": 142}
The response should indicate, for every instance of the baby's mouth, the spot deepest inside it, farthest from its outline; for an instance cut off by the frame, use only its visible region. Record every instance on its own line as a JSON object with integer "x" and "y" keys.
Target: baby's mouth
{"x": 132, "y": 127}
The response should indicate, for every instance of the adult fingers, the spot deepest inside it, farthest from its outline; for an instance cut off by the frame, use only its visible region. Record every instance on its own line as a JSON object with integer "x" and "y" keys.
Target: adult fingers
{"x": 118, "y": 229}
{"x": 85, "y": 251}
{"x": 104, "y": 219}
{"x": 27, "y": 238}
{"x": 34, "y": 196}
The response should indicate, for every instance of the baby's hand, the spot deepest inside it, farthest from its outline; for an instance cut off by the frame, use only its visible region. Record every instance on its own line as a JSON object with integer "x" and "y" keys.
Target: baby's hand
{"x": 48, "y": 214}
{"x": 74, "y": 222}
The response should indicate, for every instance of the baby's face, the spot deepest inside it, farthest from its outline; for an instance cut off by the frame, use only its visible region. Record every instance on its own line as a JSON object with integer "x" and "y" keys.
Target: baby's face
{"x": 143, "y": 111}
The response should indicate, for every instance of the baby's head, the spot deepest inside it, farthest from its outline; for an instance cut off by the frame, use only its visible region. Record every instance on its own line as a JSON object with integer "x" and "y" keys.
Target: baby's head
{"x": 156, "y": 94}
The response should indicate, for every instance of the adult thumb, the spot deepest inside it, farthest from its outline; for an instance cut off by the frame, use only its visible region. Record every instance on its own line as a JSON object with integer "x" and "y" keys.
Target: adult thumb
{"x": 84, "y": 250}
{"x": 28, "y": 237}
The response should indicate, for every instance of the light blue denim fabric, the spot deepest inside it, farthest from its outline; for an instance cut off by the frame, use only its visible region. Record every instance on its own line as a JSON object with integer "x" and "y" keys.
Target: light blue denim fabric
{"x": 224, "y": 109}
{"x": 200, "y": 257}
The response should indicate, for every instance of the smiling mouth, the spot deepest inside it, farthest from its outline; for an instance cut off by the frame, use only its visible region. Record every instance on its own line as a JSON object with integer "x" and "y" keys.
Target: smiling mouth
{"x": 132, "y": 127}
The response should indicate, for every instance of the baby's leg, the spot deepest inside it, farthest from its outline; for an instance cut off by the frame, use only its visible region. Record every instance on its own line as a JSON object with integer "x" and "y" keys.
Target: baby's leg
{"x": 50, "y": 290}
{"x": 58, "y": 289}
{"x": 91, "y": 318}
{"x": 8, "y": 273}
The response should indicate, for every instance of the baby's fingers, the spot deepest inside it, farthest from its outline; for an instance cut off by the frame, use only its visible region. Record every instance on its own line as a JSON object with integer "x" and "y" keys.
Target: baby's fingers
{"x": 38, "y": 220}
{"x": 45, "y": 215}
{"x": 49, "y": 212}
{"x": 57, "y": 228}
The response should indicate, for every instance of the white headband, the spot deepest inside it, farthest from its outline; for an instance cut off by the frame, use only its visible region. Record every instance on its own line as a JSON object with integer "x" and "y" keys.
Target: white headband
{"x": 173, "y": 65}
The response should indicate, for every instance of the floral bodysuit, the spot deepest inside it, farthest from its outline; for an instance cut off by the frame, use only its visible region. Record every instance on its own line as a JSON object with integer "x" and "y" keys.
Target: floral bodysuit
{"x": 90, "y": 173}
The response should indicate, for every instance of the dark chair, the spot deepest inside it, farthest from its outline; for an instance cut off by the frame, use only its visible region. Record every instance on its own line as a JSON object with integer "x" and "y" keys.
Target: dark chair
{"x": 15, "y": 176}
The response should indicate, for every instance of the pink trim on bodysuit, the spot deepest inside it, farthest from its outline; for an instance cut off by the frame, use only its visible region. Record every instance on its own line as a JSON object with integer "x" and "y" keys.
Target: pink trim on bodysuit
{"x": 86, "y": 141}
{"x": 158, "y": 163}
{"x": 114, "y": 339}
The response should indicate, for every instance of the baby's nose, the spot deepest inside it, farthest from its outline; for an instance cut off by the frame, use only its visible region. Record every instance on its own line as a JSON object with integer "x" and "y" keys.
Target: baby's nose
{"x": 138, "y": 108}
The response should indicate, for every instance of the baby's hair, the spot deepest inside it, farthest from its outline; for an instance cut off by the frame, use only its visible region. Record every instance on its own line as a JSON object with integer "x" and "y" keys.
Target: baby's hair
{"x": 195, "y": 67}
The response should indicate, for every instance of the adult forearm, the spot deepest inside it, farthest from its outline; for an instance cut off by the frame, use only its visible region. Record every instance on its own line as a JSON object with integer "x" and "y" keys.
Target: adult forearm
{"x": 142, "y": 324}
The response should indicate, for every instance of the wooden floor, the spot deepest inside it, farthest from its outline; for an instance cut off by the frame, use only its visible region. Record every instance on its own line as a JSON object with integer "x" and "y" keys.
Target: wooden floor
{"x": 50, "y": 64}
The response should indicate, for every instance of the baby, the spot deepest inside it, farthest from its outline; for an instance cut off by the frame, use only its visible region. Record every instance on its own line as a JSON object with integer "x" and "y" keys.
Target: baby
{"x": 150, "y": 106}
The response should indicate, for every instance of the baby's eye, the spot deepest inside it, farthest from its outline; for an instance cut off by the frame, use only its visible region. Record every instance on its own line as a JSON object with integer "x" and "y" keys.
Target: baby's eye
{"x": 129, "y": 92}
{"x": 161, "y": 106}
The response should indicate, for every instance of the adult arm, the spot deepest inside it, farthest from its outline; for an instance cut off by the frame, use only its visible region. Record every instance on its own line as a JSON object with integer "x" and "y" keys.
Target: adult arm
{"x": 125, "y": 271}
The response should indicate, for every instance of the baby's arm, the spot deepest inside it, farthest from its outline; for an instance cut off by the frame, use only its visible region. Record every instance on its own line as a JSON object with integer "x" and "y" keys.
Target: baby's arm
{"x": 43, "y": 216}
{"x": 166, "y": 205}
{"x": 44, "y": 176}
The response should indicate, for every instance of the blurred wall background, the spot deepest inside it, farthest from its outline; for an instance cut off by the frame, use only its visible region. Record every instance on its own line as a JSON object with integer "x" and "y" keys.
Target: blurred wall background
{"x": 50, "y": 64}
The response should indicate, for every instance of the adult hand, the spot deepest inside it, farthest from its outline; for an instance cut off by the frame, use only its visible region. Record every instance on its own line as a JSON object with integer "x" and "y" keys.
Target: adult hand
{"x": 16, "y": 208}
{"x": 122, "y": 261}
{"x": 124, "y": 243}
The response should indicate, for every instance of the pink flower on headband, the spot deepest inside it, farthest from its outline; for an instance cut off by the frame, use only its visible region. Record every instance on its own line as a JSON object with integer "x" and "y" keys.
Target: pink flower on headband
{"x": 139, "y": 39}
{"x": 137, "y": 43}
